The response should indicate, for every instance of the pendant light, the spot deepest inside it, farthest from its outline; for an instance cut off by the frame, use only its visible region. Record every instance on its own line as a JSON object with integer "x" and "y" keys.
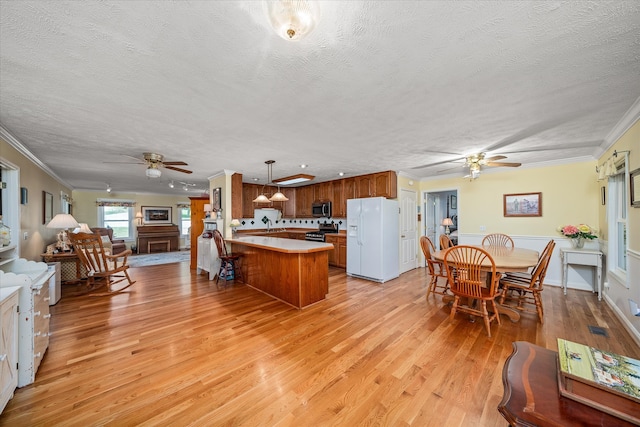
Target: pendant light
{"x": 278, "y": 196}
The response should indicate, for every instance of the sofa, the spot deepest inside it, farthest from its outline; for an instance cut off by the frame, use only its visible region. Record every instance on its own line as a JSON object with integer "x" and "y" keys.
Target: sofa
{"x": 117, "y": 245}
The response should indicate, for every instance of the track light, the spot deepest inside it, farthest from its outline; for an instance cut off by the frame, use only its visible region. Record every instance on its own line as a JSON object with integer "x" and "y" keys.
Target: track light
{"x": 108, "y": 188}
{"x": 171, "y": 184}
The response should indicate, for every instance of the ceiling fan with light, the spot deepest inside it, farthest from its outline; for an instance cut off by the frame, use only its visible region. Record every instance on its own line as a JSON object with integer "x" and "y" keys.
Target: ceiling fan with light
{"x": 476, "y": 161}
{"x": 154, "y": 162}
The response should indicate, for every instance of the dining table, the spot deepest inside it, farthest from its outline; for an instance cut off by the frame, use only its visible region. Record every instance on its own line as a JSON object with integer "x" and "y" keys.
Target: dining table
{"x": 507, "y": 260}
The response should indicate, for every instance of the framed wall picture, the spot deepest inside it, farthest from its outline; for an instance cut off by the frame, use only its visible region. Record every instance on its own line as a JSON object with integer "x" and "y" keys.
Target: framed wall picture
{"x": 217, "y": 199}
{"x": 24, "y": 195}
{"x": 522, "y": 204}
{"x": 156, "y": 215}
{"x": 635, "y": 188}
{"x": 47, "y": 207}
{"x": 453, "y": 202}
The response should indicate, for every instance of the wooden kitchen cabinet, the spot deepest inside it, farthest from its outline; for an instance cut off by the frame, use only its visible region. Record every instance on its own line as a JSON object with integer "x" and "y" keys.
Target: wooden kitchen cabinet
{"x": 339, "y": 206}
{"x": 197, "y": 226}
{"x": 304, "y": 199}
{"x": 364, "y": 186}
{"x": 236, "y": 196}
{"x": 385, "y": 184}
{"x": 323, "y": 191}
{"x": 338, "y": 256}
{"x": 287, "y": 208}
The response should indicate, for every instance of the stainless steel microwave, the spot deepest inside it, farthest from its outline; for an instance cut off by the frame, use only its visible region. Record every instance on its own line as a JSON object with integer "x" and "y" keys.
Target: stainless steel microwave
{"x": 321, "y": 209}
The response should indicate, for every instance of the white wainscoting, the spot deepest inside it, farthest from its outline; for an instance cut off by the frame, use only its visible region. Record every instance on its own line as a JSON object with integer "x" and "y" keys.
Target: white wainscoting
{"x": 579, "y": 277}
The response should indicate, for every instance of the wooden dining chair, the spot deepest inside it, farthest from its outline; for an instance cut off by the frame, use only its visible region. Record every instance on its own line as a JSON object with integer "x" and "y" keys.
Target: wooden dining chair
{"x": 100, "y": 264}
{"x": 436, "y": 268}
{"x": 526, "y": 288}
{"x": 445, "y": 242}
{"x": 497, "y": 239}
{"x": 468, "y": 269}
{"x": 230, "y": 265}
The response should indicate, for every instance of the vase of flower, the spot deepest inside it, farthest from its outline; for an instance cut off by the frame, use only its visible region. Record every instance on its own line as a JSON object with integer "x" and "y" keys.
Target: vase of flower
{"x": 577, "y": 243}
{"x": 578, "y": 234}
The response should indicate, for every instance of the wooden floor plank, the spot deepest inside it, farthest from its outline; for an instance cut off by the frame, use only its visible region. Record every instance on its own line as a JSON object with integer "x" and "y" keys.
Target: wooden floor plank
{"x": 179, "y": 350}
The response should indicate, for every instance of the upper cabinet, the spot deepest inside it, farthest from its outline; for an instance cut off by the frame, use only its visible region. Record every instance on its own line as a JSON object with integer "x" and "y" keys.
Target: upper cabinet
{"x": 322, "y": 191}
{"x": 380, "y": 184}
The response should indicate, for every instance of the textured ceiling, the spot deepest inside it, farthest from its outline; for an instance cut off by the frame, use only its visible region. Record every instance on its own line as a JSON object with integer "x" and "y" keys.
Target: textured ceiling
{"x": 378, "y": 85}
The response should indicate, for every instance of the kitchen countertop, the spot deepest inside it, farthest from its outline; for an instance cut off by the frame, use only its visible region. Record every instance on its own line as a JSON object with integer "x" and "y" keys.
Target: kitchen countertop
{"x": 279, "y": 244}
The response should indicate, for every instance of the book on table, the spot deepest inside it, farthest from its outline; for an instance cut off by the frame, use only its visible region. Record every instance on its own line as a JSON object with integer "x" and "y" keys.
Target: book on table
{"x": 606, "y": 381}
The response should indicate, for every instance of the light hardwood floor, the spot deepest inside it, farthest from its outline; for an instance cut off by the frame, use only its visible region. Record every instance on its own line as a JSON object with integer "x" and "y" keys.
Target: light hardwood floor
{"x": 176, "y": 350}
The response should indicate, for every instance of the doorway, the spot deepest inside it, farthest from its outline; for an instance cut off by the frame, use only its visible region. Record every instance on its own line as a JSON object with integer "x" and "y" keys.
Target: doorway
{"x": 438, "y": 206}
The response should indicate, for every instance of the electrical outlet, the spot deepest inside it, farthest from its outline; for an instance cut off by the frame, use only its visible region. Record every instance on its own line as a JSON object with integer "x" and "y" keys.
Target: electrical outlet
{"x": 25, "y": 235}
{"x": 483, "y": 228}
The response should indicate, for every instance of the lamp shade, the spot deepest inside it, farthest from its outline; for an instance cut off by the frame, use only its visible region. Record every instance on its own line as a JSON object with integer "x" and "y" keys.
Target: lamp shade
{"x": 278, "y": 197}
{"x": 447, "y": 222}
{"x": 207, "y": 207}
{"x": 261, "y": 199}
{"x": 63, "y": 221}
{"x": 153, "y": 172}
{"x": 139, "y": 215}
{"x": 84, "y": 228}
{"x": 234, "y": 223}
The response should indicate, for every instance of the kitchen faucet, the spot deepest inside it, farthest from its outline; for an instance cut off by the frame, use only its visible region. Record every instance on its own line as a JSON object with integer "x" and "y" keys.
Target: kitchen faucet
{"x": 269, "y": 224}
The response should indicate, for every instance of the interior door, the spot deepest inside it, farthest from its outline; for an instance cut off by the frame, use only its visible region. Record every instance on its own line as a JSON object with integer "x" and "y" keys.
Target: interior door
{"x": 408, "y": 230}
{"x": 430, "y": 213}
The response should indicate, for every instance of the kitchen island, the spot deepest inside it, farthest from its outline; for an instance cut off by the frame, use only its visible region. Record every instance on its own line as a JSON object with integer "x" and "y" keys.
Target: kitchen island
{"x": 293, "y": 271}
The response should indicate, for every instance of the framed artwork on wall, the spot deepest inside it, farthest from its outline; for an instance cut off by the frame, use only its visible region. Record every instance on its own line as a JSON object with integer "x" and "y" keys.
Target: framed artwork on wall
{"x": 217, "y": 199}
{"x": 634, "y": 188}
{"x": 522, "y": 204}
{"x": 47, "y": 207}
{"x": 453, "y": 202}
{"x": 156, "y": 215}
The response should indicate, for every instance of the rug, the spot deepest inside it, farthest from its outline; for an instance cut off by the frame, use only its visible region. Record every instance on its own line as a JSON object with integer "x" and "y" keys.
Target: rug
{"x": 159, "y": 258}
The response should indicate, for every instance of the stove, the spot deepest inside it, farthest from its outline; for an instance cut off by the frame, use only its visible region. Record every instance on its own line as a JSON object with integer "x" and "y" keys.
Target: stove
{"x": 318, "y": 236}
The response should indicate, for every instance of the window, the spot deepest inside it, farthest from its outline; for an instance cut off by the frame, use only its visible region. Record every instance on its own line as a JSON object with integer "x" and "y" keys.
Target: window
{"x": 118, "y": 216}
{"x": 185, "y": 219}
{"x": 617, "y": 222}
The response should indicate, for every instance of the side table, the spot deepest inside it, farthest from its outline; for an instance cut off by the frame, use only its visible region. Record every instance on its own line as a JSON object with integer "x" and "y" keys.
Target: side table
{"x": 71, "y": 270}
{"x": 582, "y": 257}
{"x": 532, "y": 396}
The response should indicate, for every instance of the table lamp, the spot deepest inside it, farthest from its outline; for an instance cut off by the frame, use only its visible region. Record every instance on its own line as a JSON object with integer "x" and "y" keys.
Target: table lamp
{"x": 234, "y": 224}
{"x": 65, "y": 222}
{"x": 447, "y": 222}
{"x": 84, "y": 228}
{"x": 207, "y": 210}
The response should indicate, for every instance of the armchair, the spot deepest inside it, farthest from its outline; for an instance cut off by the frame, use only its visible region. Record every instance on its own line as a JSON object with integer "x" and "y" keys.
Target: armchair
{"x": 117, "y": 245}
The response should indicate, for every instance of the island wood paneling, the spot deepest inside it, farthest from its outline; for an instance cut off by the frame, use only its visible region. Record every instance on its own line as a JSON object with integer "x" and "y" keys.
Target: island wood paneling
{"x": 299, "y": 279}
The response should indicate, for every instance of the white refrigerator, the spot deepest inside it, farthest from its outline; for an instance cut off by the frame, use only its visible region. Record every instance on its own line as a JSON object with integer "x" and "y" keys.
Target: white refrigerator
{"x": 372, "y": 238}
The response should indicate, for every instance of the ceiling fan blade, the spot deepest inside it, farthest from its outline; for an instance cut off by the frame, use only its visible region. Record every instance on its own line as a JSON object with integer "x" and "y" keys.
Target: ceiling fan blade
{"x": 175, "y": 163}
{"x": 439, "y": 163}
{"x": 491, "y": 159}
{"x": 129, "y": 163}
{"x": 178, "y": 169}
{"x": 450, "y": 169}
{"x": 508, "y": 164}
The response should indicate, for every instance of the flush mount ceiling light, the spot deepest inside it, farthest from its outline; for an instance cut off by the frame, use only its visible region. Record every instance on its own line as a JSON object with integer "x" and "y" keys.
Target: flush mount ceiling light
{"x": 292, "y": 19}
{"x": 294, "y": 179}
{"x": 153, "y": 171}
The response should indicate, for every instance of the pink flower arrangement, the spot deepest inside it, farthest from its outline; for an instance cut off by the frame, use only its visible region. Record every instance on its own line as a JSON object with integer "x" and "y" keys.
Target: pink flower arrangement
{"x": 580, "y": 231}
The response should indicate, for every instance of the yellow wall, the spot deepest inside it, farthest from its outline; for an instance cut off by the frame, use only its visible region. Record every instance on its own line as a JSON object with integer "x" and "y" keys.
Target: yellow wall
{"x": 630, "y": 141}
{"x": 36, "y": 181}
{"x": 570, "y": 195}
{"x": 85, "y": 209}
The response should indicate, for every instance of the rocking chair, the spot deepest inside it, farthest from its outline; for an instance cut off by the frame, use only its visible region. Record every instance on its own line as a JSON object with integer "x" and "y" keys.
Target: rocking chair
{"x": 99, "y": 263}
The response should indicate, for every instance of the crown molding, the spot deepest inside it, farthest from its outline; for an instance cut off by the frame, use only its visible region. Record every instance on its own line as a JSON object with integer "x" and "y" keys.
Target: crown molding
{"x": 624, "y": 124}
{"x": 20, "y": 148}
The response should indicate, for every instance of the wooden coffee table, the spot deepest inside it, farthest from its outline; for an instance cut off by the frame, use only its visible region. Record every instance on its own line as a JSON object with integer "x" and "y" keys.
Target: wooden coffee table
{"x": 531, "y": 394}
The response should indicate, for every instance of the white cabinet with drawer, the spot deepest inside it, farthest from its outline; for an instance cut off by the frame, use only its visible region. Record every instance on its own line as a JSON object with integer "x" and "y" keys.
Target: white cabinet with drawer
{"x": 33, "y": 328}
{"x": 8, "y": 343}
